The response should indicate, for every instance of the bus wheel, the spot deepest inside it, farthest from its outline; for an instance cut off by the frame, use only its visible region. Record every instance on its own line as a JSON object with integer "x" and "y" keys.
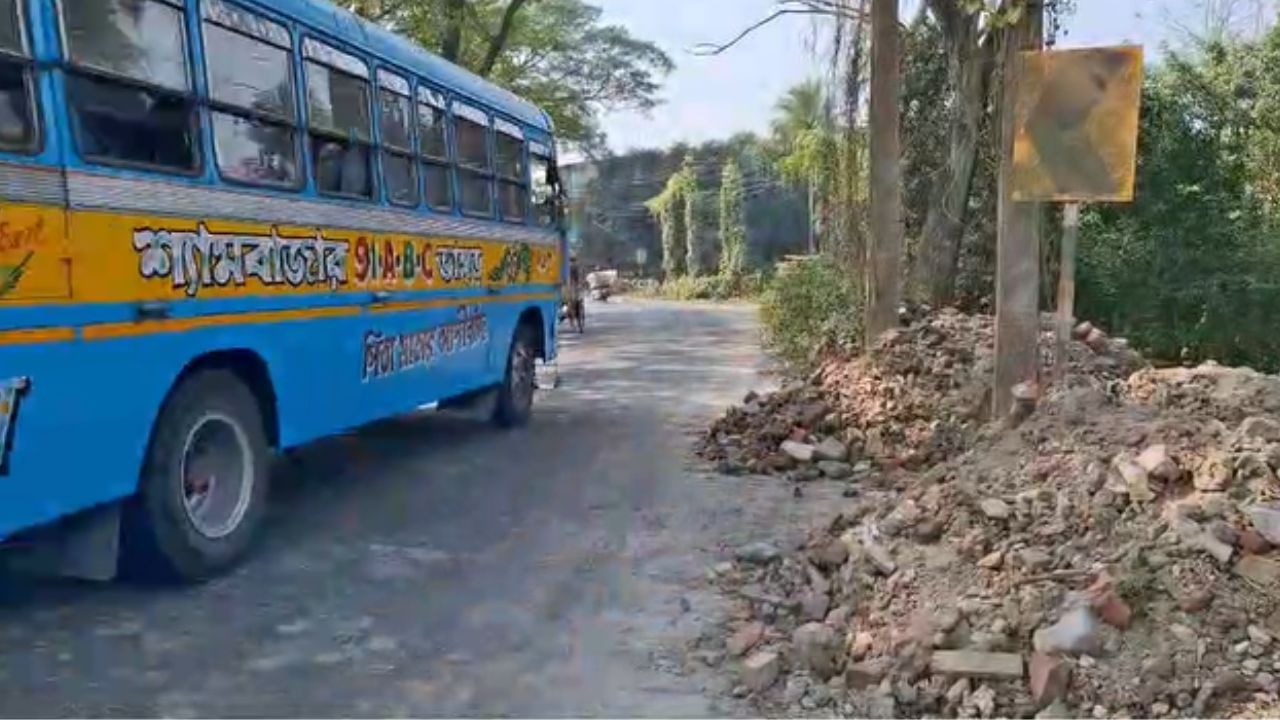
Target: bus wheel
{"x": 204, "y": 483}
{"x": 515, "y": 396}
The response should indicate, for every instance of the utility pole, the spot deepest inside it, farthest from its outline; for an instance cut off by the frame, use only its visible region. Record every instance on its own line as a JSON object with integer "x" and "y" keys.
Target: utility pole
{"x": 886, "y": 172}
{"x": 1018, "y": 234}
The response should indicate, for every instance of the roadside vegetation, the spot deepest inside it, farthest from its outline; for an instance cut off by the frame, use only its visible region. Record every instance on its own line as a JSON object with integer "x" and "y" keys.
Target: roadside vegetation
{"x": 1187, "y": 271}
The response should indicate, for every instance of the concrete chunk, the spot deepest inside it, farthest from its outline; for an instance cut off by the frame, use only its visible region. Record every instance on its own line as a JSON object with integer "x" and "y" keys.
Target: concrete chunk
{"x": 1266, "y": 520}
{"x": 744, "y": 638}
{"x": 968, "y": 663}
{"x": 1260, "y": 570}
{"x": 1156, "y": 461}
{"x": 831, "y": 449}
{"x": 1132, "y": 478}
{"x": 760, "y": 671}
{"x": 798, "y": 451}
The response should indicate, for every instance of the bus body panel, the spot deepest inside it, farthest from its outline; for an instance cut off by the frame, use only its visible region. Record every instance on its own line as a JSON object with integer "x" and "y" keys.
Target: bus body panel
{"x": 81, "y": 428}
{"x": 114, "y": 279}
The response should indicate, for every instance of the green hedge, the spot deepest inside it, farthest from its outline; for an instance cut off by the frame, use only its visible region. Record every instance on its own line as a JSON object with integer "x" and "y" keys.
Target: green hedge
{"x": 811, "y": 306}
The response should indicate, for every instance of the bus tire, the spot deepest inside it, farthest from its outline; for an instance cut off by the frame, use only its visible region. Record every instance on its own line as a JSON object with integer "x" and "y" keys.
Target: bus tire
{"x": 203, "y": 491}
{"x": 515, "y": 395}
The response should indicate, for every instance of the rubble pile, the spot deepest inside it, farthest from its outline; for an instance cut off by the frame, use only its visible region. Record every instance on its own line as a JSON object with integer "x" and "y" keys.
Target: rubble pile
{"x": 1108, "y": 555}
{"x": 914, "y": 400}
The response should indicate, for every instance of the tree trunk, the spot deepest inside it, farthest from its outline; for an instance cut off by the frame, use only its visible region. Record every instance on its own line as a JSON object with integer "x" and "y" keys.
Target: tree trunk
{"x": 969, "y": 71}
{"x": 499, "y": 40}
{"x": 1018, "y": 236}
{"x": 886, "y": 172}
{"x": 455, "y": 15}
{"x": 850, "y": 247}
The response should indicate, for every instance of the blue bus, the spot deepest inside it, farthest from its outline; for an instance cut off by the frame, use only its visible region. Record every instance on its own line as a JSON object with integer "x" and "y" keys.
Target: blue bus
{"x": 230, "y": 227}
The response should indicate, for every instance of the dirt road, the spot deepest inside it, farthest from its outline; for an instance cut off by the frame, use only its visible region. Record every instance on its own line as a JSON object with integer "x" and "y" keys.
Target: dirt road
{"x": 432, "y": 566}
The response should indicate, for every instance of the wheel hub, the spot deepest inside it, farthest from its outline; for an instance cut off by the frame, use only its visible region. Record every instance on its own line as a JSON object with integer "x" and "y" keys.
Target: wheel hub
{"x": 217, "y": 476}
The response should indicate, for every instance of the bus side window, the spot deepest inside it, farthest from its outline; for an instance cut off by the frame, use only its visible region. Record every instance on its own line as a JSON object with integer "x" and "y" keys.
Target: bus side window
{"x": 129, "y": 86}
{"x": 433, "y": 146}
{"x": 251, "y": 96}
{"x": 341, "y": 135}
{"x": 513, "y": 195}
{"x": 395, "y": 120}
{"x": 18, "y": 131}
{"x": 542, "y": 192}
{"x": 475, "y": 166}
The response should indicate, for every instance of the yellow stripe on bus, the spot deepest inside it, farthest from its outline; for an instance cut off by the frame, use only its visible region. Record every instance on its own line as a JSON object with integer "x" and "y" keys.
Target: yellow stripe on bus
{"x": 454, "y": 302}
{"x": 37, "y": 336}
{"x": 114, "y": 331}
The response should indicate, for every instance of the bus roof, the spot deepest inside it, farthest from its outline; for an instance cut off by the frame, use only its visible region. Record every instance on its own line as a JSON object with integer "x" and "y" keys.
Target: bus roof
{"x": 346, "y": 26}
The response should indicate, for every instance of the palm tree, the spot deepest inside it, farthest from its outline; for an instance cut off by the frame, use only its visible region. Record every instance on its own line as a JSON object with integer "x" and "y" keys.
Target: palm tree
{"x": 803, "y": 122}
{"x": 803, "y": 107}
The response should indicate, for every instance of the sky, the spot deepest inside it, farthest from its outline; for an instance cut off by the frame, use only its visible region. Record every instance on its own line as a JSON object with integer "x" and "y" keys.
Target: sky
{"x": 714, "y": 97}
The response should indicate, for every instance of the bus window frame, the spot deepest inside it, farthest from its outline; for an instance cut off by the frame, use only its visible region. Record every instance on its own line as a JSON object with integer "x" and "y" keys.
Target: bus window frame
{"x": 310, "y": 128}
{"x": 537, "y": 148}
{"x": 490, "y": 173}
{"x": 25, "y": 58}
{"x": 191, "y": 97}
{"x": 384, "y": 148}
{"x": 437, "y": 99}
{"x": 294, "y": 123}
{"x": 503, "y": 127}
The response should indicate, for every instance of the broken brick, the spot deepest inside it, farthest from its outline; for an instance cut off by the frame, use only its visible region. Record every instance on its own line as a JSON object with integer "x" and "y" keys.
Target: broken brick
{"x": 1048, "y": 678}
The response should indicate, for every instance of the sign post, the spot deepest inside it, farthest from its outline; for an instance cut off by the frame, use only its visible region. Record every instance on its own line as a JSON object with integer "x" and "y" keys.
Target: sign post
{"x": 1066, "y": 288}
{"x": 1075, "y": 140}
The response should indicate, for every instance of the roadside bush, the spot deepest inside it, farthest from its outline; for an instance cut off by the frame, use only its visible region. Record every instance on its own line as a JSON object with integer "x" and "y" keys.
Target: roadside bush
{"x": 712, "y": 287}
{"x": 809, "y": 307}
{"x": 1188, "y": 270}
{"x": 642, "y": 287}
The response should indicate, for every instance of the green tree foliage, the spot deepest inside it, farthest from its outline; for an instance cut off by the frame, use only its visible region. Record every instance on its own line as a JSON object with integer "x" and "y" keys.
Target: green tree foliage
{"x": 694, "y": 237}
{"x": 678, "y": 209}
{"x": 1189, "y": 270}
{"x": 806, "y": 144}
{"x": 667, "y": 207}
{"x": 616, "y": 223}
{"x": 556, "y": 53}
{"x": 733, "y": 230}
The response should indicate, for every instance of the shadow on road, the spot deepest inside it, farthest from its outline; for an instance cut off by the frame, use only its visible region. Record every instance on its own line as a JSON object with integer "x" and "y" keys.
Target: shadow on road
{"x": 431, "y": 565}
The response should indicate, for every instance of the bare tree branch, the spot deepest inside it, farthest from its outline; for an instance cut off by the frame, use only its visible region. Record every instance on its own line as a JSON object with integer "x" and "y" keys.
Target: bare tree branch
{"x": 827, "y": 8}
{"x": 714, "y": 49}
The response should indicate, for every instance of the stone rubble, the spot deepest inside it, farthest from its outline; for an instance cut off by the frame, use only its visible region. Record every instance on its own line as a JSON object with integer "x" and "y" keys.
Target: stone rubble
{"x": 1110, "y": 554}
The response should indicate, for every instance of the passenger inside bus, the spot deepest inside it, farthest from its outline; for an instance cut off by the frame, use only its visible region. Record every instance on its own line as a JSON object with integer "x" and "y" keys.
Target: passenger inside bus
{"x": 15, "y": 118}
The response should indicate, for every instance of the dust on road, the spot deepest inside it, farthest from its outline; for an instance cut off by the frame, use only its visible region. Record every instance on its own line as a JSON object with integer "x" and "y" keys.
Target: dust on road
{"x": 433, "y": 567}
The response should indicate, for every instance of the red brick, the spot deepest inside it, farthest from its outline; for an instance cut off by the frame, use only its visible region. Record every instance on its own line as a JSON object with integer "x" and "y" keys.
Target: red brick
{"x": 1253, "y": 543}
{"x": 1048, "y": 678}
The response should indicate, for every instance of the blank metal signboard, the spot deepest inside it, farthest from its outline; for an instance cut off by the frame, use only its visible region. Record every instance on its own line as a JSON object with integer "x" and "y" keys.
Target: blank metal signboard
{"x": 1077, "y": 125}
